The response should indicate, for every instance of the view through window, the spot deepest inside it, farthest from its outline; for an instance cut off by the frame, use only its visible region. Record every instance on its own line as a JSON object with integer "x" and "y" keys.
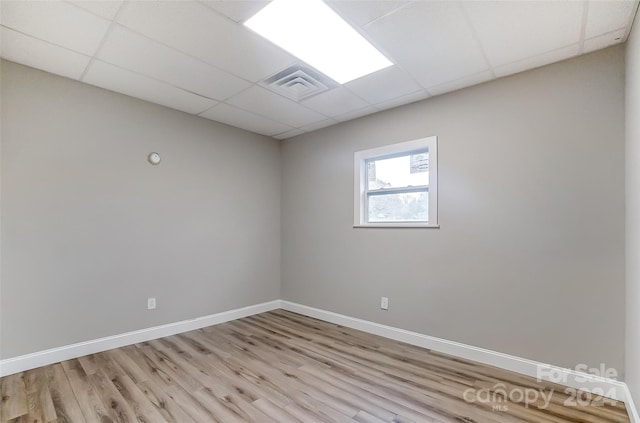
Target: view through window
{"x": 395, "y": 184}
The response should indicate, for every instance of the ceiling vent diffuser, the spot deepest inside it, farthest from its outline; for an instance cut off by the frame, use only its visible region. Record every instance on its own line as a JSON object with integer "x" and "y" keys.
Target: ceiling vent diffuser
{"x": 298, "y": 83}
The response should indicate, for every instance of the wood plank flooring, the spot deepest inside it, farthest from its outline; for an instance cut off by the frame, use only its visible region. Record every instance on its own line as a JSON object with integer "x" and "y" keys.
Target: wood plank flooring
{"x": 283, "y": 367}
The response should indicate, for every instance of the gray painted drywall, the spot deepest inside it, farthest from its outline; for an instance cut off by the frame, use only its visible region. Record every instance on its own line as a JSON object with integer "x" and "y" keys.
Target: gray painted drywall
{"x": 632, "y": 154}
{"x": 90, "y": 229}
{"x": 529, "y": 259}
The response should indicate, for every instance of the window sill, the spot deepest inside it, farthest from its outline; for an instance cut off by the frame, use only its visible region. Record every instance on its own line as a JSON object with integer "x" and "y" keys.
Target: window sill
{"x": 398, "y": 225}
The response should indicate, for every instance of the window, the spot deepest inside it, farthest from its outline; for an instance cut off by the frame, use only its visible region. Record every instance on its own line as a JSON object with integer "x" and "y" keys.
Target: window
{"x": 397, "y": 185}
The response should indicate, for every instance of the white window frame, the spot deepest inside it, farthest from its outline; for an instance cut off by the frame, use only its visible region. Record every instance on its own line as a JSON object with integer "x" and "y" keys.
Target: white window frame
{"x": 360, "y": 215}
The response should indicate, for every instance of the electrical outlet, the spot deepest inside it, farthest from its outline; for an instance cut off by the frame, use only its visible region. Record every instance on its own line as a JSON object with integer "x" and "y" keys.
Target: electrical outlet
{"x": 384, "y": 303}
{"x": 151, "y": 303}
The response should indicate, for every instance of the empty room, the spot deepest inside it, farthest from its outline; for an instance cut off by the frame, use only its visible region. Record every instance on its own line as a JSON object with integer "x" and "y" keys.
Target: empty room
{"x": 319, "y": 211}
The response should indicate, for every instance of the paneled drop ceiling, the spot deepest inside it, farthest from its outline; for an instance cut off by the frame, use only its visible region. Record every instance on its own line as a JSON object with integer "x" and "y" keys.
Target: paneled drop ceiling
{"x": 196, "y": 56}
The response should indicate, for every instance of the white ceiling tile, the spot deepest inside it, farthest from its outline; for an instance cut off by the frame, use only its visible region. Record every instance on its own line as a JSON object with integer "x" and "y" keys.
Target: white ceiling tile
{"x": 195, "y": 29}
{"x": 510, "y": 31}
{"x": 535, "y": 62}
{"x": 461, "y": 83}
{"x": 39, "y": 54}
{"x": 318, "y": 125}
{"x": 126, "y": 82}
{"x": 383, "y": 85}
{"x": 361, "y": 12}
{"x": 131, "y": 51}
{"x": 356, "y": 114}
{"x": 56, "y": 22}
{"x": 602, "y": 41}
{"x": 430, "y": 40}
{"x": 104, "y": 8}
{"x": 263, "y": 102}
{"x": 289, "y": 134}
{"x": 188, "y": 54}
{"x": 245, "y": 120}
{"x": 237, "y": 10}
{"x": 607, "y": 16}
{"x": 335, "y": 102}
{"x": 405, "y": 99}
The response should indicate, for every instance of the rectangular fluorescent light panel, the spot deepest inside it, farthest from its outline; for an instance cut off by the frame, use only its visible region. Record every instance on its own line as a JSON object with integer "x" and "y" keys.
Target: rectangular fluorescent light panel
{"x": 313, "y": 32}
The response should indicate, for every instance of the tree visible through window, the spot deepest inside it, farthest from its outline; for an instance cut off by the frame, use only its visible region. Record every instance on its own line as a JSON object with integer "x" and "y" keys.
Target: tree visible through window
{"x": 398, "y": 188}
{"x": 396, "y": 185}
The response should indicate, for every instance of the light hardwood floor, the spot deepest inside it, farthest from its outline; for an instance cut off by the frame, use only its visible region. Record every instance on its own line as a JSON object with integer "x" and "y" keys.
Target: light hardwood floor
{"x": 280, "y": 367}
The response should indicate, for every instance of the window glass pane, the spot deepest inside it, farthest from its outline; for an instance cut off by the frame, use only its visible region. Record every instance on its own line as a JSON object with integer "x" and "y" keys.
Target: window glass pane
{"x": 403, "y": 207}
{"x": 398, "y": 172}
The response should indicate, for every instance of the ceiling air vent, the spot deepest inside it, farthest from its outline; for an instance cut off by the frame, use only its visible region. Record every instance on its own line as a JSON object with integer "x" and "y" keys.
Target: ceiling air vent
{"x": 298, "y": 82}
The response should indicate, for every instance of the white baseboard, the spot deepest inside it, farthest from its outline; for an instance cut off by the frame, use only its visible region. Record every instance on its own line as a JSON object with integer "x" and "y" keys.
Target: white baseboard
{"x": 618, "y": 390}
{"x": 631, "y": 407}
{"x": 570, "y": 378}
{"x": 42, "y": 358}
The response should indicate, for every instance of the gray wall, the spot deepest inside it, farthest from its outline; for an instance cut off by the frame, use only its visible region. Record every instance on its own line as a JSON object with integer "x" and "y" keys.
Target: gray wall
{"x": 90, "y": 229}
{"x": 633, "y": 212}
{"x": 529, "y": 259}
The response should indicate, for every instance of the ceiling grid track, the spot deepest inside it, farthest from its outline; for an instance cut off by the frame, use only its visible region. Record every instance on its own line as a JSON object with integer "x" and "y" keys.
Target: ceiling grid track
{"x": 199, "y": 57}
{"x": 112, "y": 25}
